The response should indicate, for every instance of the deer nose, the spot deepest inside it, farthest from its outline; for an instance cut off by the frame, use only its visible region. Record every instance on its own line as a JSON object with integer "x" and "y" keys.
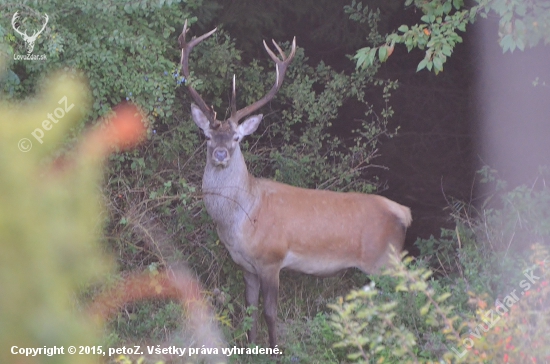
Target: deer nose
{"x": 220, "y": 155}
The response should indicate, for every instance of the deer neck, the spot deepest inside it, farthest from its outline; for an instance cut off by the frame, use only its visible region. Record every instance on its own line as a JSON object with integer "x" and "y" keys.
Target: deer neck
{"x": 227, "y": 192}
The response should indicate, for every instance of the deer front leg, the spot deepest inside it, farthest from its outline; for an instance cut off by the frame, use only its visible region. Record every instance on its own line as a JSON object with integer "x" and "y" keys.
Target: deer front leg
{"x": 270, "y": 292}
{"x": 252, "y": 296}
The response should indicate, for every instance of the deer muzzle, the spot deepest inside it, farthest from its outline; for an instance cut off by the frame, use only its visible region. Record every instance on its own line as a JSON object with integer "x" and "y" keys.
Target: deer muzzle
{"x": 220, "y": 156}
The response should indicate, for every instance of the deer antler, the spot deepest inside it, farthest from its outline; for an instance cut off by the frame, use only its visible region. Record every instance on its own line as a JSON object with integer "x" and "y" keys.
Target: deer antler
{"x": 186, "y": 49}
{"x": 43, "y": 27}
{"x": 280, "y": 69}
{"x": 13, "y": 20}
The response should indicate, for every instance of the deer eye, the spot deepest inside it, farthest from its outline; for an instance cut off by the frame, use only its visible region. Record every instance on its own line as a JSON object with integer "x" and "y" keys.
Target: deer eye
{"x": 236, "y": 138}
{"x": 207, "y": 137}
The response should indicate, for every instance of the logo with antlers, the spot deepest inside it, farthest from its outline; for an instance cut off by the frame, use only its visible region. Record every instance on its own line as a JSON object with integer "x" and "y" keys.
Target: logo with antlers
{"x": 29, "y": 39}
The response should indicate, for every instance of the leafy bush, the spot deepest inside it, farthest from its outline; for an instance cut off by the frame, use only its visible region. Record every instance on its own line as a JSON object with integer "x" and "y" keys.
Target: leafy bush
{"x": 486, "y": 258}
{"x": 514, "y": 329}
{"x": 519, "y": 325}
{"x": 368, "y": 324}
{"x": 442, "y": 21}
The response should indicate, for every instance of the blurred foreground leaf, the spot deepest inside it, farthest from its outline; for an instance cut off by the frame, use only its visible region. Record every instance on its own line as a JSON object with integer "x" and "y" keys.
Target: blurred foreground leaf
{"x": 50, "y": 219}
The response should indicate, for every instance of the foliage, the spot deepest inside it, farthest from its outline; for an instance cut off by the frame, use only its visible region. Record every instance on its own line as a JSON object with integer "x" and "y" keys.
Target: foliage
{"x": 522, "y": 24}
{"x": 319, "y": 159}
{"x": 492, "y": 237}
{"x": 513, "y": 216}
{"x": 486, "y": 258}
{"x": 519, "y": 323}
{"x": 148, "y": 319}
{"x": 310, "y": 340}
{"x": 372, "y": 328}
{"x": 48, "y": 230}
{"x": 123, "y": 48}
{"x": 369, "y": 327}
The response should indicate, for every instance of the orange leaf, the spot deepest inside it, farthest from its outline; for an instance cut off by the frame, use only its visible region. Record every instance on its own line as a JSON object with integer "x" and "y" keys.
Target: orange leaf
{"x": 123, "y": 131}
{"x": 390, "y": 49}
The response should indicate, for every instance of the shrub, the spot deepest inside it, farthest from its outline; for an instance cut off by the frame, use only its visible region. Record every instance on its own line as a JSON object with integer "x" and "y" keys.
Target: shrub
{"x": 514, "y": 329}
{"x": 480, "y": 262}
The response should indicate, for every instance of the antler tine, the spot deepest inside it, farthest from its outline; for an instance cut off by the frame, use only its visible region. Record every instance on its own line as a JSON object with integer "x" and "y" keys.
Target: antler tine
{"x": 46, "y": 23}
{"x": 293, "y": 49}
{"x": 186, "y": 49}
{"x": 195, "y": 40}
{"x": 278, "y": 48}
{"x": 233, "y": 100}
{"x": 280, "y": 70}
{"x": 13, "y": 20}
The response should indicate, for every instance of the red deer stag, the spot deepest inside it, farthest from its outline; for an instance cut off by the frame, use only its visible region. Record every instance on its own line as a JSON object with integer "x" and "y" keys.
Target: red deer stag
{"x": 268, "y": 226}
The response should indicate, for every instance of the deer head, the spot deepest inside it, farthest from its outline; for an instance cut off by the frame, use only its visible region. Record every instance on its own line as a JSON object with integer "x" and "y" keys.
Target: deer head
{"x": 222, "y": 141}
{"x": 223, "y": 137}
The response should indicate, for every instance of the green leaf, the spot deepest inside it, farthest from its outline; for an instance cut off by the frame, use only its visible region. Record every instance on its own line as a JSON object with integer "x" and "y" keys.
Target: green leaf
{"x": 443, "y": 297}
{"x": 424, "y": 310}
{"x": 446, "y": 50}
{"x": 447, "y": 7}
{"x": 520, "y": 26}
{"x": 521, "y": 9}
{"x": 401, "y": 287}
{"x": 506, "y": 17}
{"x": 383, "y": 53}
{"x": 409, "y": 43}
{"x": 403, "y": 28}
{"x": 429, "y": 65}
{"x": 422, "y": 65}
{"x": 428, "y": 273}
{"x": 361, "y": 57}
{"x": 438, "y": 64}
{"x": 507, "y": 43}
{"x": 371, "y": 56}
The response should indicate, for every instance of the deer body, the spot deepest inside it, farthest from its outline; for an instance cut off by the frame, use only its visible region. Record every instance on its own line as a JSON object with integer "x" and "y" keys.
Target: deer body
{"x": 267, "y": 226}
{"x": 326, "y": 232}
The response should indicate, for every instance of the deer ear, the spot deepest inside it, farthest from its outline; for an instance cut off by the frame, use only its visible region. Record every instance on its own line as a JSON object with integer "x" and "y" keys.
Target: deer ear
{"x": 199, "y": 118}
{"x": 249, "y": 126}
